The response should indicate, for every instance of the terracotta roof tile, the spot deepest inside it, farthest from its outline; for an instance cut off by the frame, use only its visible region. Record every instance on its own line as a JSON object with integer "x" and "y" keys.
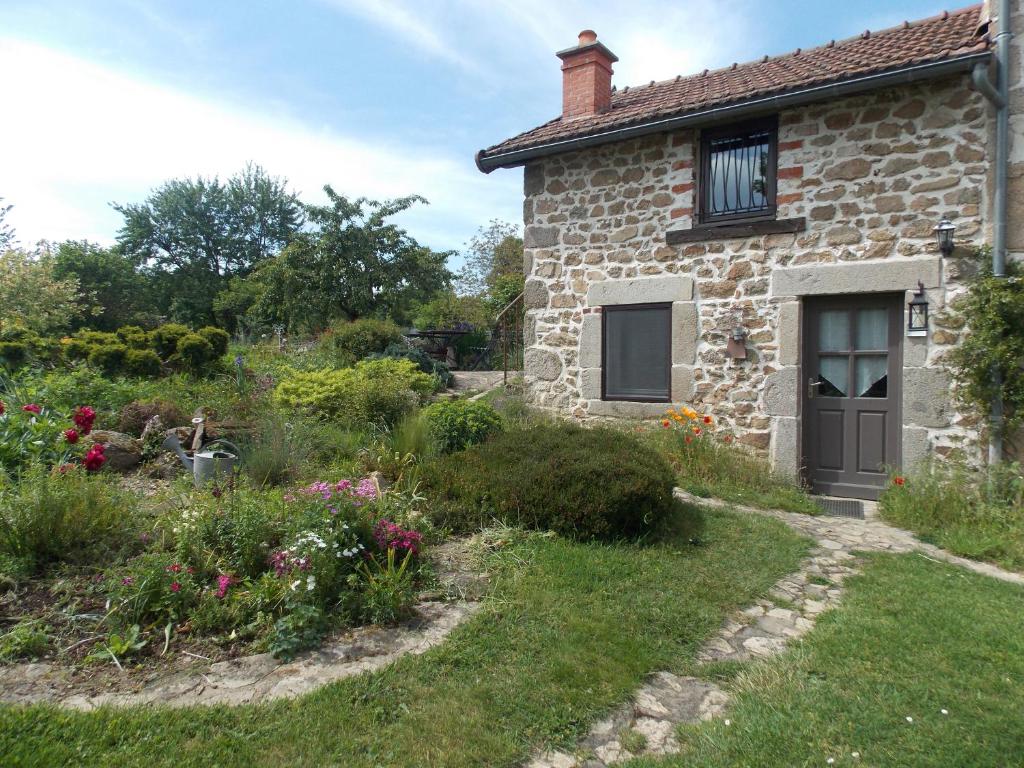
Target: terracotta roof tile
{"x": 946, "y": 36}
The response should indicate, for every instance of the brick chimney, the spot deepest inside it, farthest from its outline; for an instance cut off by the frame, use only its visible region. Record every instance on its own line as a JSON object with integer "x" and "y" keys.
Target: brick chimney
{"x": 586, "y": 77}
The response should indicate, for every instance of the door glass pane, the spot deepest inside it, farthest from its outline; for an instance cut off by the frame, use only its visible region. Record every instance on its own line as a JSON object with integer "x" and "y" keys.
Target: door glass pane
{"x": 871, "y": 371}
{"x": 637, "y": 361}
{"x": 834, "y": 330}
{"x": 873, "y": 328}
{"x": 833, "y": 374}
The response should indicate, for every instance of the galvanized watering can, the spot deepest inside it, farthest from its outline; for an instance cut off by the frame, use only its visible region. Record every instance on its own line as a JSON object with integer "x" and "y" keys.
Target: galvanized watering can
{"x": 206, "y": 464}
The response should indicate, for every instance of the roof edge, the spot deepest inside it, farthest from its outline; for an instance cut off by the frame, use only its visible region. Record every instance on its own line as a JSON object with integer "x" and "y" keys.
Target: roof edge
{"x": 804, "y": 95}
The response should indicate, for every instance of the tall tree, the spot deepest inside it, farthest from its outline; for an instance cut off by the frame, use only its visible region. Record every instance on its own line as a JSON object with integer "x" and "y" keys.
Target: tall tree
{"x": 6, "y": 230}
{"x": 352, "y": 262}
{"x": 32, "y": 297}
{"x": 194, "y": 235}
{"x": 109, "y": 278}
{"x": 494, "y": 252}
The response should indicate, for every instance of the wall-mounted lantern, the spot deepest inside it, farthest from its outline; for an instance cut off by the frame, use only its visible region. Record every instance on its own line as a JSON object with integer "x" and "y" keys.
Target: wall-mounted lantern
{"x": 944, "y": 232}
{"x": 736, "y": 348}
{"x": 917, "y": 314}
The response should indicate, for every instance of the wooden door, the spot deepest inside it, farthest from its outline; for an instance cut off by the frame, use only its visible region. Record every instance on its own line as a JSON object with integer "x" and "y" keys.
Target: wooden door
{"x": 851, "y": 381}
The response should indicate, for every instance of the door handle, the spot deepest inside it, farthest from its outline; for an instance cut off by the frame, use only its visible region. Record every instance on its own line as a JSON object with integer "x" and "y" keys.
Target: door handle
{"x": 811, "y": 384}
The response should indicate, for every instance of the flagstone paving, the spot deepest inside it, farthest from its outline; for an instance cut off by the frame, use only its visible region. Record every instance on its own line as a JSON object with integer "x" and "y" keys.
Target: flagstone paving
{"x": 647, "y": 724}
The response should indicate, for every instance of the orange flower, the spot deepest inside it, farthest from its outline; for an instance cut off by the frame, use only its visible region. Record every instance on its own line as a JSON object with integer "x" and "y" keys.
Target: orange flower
{"x": 666, "y": 423}
{"x": 696, "y": 430}
{"x": 898, "y": 480}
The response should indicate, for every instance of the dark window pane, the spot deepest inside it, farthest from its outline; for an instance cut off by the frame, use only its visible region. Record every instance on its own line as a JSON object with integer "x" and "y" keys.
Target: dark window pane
{"x": 636, "y": 347}
{"x": 737, "y": 168}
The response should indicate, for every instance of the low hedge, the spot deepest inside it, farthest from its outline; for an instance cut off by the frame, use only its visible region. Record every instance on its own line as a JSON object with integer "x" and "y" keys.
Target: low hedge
{"x": 582, "y": 483}
{"x": 454, "y": 425}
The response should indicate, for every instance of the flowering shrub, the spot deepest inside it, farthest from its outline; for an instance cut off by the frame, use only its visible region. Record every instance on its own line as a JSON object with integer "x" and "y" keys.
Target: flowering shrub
{"x": 33, "y": 434}
{"x": 390, "y": 535}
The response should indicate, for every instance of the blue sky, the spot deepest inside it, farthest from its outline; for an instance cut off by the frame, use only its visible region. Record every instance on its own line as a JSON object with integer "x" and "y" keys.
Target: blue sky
{"x": 105, "y": 99}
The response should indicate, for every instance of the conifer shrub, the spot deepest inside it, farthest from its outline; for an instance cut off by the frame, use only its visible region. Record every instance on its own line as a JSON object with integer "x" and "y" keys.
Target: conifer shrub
{"x": 109, "y": 358}
{"x": 144, "y": 363}
{"x": 582, "y": 483}
{"x": 361, "y": 338}
{"x": 194, "y": 352}
{"x": 454, "y": 425}
{"x": 166, "y": 337}
{"x": 218, "y": 339}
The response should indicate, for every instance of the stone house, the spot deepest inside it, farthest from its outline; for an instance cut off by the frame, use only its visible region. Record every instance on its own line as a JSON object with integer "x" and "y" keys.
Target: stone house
{"x": 748, "y": 241}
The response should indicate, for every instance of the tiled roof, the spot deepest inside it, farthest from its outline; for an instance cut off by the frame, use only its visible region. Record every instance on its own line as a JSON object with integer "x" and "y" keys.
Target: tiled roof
{"x": 932, "y": 40}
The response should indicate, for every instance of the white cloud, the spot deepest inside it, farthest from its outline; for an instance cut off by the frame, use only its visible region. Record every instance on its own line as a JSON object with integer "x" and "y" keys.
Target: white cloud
{"x": 85, "y": 135}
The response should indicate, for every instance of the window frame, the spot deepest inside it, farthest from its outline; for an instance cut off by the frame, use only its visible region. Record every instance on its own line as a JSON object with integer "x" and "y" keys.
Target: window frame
{"x": 737, "y": 130}
{"x": 605, "y": 310}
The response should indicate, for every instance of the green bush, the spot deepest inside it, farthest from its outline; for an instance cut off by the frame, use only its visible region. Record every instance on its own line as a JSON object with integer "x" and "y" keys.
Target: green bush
{"x": 97, "y": 338}
{"x": 165, "y": 338}
{"x": 427, "y": 364}
{"x": 108, "y": 357}
{"x": 74, "y": 517}
{"x": 218, "y": 339}
{"x": 144, "y": 363}
{"x": 77, "y": 349}
{"x": 584, "y": 483}
{"x": 194, "y": 352}
{"x": 457, "y": 424}
{"x": 134, "y": 337}
{"x": 361, "y": 338}
{"x": 374, "y": 391}
{"x": 13, "y": 354}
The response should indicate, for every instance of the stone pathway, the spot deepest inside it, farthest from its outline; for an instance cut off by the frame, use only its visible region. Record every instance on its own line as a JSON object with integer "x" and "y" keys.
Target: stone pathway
{"x": 469, "y": 381}
{"x": 647, "y": 724}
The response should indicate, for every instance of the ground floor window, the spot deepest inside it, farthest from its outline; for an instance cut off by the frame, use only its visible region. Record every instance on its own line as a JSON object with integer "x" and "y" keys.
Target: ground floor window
{"x": 637, "y": 352}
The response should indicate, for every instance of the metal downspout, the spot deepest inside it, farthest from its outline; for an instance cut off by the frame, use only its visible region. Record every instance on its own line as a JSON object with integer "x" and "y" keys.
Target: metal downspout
{"x": 999, "y": 96}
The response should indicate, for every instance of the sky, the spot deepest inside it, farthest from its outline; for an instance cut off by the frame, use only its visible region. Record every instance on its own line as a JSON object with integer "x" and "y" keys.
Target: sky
{"x": 103, "y": 100}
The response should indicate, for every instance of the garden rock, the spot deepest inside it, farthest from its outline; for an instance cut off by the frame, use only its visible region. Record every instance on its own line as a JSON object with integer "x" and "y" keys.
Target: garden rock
{"x": 123, "y": 451}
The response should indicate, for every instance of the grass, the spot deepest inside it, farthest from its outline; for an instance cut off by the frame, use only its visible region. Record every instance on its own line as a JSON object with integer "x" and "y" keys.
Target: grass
{"x": 708, "y": 466}
{"x": 971, "y": 513}
{"x": 913, "y": 637}
{"x": 569, "y": 631}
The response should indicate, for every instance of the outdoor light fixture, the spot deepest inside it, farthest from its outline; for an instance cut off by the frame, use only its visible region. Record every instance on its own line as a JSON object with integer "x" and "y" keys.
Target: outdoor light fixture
{"x": 917, "y": 316}
{"x": 736, "y": 348}
{"x": 944, "y": 234}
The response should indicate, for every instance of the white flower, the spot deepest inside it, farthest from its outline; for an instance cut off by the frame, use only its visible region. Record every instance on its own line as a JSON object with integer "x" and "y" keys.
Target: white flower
{"x": 830, "y": 760}
{"x": 855, "y": 754}
{"x": 910, "y": 719}
{"x": 944, "y": 711}
{"x": 295, "y": 585}
{"x": 310, "y": 583}
{"x": 728, "y": 722}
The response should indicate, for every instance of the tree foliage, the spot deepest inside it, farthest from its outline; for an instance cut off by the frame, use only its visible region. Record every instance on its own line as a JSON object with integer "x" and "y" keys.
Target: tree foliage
{"x": 193, "y": 235}
{"x": 6, "y": 230}
{"x": 495, "y": 251}
{"x": 351, "y": 262}
{"x": 32, "y": 297}
{"x": 109, "y": 279}
{"x": 994, "y": 309}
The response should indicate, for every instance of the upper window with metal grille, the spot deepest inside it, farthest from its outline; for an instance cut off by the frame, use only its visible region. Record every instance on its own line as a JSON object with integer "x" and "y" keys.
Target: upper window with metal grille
{"x": 737, "y": 180}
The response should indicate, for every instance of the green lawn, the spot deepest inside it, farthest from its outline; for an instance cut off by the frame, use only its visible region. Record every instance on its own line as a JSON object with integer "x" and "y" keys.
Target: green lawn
{"x": 570, "y": 631}
{"x": 912, "y": 638}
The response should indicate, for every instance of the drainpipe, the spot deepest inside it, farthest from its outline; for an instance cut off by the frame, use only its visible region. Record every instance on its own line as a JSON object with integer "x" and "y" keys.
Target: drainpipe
{"x": 999, "y": 96}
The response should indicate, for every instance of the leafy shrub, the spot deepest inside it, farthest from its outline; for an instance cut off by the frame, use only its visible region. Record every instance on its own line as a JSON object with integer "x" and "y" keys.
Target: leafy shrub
{"x": 585, "y": 483}
{"x": 34, "y": 434}
{"x": 13, "y": 354}
{"x": 71, "y": 517}
{"x": 144, "y": 363}
{"x": 458, "y": 424}
{"x": 77, "y": 349}
{"x": 301, "y": 629}
{"x": 194, "y": 352}
{"x": 360, "y": 338}
{"x": 374, "y": 391}
{"x": 134, "y": 337}
{"x": 97, "y": 338}
{"x": 427, "y": 364}
{"x": 108, "y": 357}
{"x": 165, "y": 338}
{"x": 218, "y": 339}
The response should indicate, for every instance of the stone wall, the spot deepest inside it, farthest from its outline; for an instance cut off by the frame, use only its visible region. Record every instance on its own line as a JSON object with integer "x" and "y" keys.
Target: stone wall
{"x": 872, "y": 174}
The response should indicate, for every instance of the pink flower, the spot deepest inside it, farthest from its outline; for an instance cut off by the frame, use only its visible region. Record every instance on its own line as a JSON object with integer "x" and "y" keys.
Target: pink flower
{"x": 174, "y": 568}
{"x": 127, "y": 581}
{"x": 71, "y": 435}
{"x": 32, "y": 408}
{"x": 366, "y": 489}
{"x": 390, "y": 535}
{"x": 224, "y": 581}
{"x": 175, "y": 586}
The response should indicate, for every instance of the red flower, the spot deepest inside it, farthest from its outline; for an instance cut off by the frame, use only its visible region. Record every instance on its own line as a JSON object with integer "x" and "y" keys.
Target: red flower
{"x": 666, "y": 423}
{"x": 728, "y": 438}
{"x": 94, "y": 459}
{"x": 707, "y": 419}
{"x": 71, "y": 435}
{"x": 174, "y": 568}
{"x": 83, "y": 417}
{"x": 689, "y": 439}
{"x": 65, "y": 468}
{"x": 898, "y": 480}
{"x": 175, "y": 586}
{"x": 2, "y": 408}
{"x": 31, "y": 408}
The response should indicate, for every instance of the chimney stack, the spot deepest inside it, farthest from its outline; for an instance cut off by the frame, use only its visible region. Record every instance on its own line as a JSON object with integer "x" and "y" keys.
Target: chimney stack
{"x": 586, "y": 77}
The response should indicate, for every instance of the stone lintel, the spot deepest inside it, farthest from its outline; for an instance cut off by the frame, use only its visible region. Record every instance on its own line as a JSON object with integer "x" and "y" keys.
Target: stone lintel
{"x": 860, "y": 277}
{"x": 643, "y": 290}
